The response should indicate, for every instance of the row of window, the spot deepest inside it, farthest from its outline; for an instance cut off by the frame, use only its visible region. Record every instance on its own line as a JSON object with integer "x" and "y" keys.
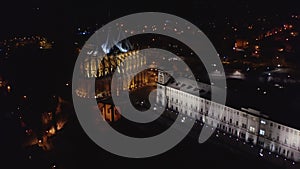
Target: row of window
{"x": 251, "y": 129}
{"x": 279, "y": 127}
{"x": 261, "y": 132}
{"x": 196, "y": 108}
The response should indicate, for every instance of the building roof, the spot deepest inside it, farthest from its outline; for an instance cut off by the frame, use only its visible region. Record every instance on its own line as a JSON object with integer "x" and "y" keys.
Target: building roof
{"x": 190, "y": 86}
{"x": 193, "y": 87}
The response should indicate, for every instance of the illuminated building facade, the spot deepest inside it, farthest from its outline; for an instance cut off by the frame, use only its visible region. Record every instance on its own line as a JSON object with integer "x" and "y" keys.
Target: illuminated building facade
{"x": 186, "y": 97}
{"x": 99, "y": 69}
{"x": 102, "y": 68}
{"x": 240, "y": 45}
{"x": 109, "y": 112}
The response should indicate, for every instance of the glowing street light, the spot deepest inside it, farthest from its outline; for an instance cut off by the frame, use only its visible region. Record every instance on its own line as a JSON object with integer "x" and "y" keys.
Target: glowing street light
{"x": 8, "y": 88}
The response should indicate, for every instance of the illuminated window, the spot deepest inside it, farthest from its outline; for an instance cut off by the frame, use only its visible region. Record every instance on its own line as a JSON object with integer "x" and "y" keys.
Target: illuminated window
{"x": 262, "y": 132}
{"x": 263, "y": 122}
{"x": 252, "y": 129}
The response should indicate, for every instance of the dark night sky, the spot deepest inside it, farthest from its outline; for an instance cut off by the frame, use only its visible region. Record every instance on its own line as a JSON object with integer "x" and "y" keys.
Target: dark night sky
{"x": 59, "y": 17}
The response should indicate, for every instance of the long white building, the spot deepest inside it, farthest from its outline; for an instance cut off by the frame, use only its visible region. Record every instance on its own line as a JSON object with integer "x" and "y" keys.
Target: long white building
{"x": 186, "y": 96}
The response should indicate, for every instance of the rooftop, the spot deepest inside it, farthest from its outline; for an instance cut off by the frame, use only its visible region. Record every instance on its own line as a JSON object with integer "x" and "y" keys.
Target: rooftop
{"x": 195, "y": 88}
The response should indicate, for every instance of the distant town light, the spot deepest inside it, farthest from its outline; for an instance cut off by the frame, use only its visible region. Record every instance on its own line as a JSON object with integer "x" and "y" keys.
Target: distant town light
{"x": 51, "y": 131}
{"x": 8, "y": 88}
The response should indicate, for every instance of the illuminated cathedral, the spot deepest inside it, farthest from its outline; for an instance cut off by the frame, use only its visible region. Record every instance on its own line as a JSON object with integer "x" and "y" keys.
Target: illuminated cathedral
{"x": 100, "y": 69}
